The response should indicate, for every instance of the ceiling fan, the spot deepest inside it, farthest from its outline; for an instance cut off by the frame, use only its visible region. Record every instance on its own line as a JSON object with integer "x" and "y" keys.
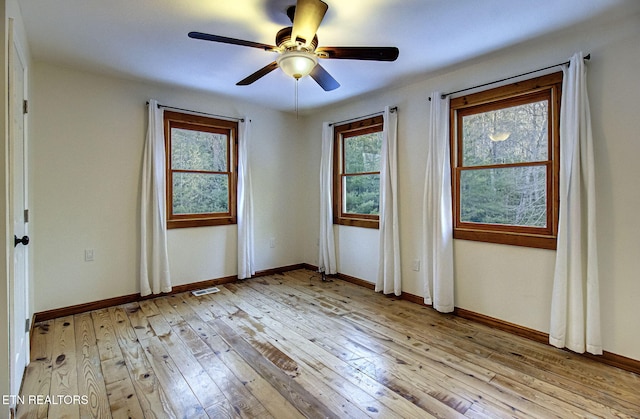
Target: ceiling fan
{"x": 298, "y": 50}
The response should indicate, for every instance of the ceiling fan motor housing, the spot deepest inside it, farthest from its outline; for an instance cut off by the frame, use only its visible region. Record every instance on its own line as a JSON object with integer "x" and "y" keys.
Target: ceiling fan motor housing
{"x": 284, "y": 41}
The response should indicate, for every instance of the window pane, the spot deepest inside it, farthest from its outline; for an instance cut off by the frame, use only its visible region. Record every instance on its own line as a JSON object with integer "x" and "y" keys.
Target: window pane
{"x": 199, "y": 193}
{"x": 512, "y": 196}
{"x": 198, "y": 150}
{"x": 362, "y": 153}
{"x": 362, "y": 193}
{"x": 515, "y": 134}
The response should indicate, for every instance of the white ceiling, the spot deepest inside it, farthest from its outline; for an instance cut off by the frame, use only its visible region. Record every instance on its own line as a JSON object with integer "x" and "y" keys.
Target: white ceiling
{"x": 147, "y": 39}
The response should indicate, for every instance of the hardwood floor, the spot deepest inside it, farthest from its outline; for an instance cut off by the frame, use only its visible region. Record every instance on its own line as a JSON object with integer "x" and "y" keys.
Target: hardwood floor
{"x": 287, "y": 346}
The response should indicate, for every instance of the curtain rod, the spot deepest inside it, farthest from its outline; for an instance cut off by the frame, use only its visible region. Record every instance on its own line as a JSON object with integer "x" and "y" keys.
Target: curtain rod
{"x": 198, "y": 112}
{"x": 393, "y": 109}
{"x": 443, "y": 95}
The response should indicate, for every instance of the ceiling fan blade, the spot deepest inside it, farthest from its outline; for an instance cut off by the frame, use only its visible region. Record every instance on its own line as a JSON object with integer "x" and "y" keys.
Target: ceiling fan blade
{"x": 360, "y": 53}
{"x": 323, "y": 78}
{"x": 307, "y": 19}
{"x": 258, "y": 74}
{"x": 227, "y": 40}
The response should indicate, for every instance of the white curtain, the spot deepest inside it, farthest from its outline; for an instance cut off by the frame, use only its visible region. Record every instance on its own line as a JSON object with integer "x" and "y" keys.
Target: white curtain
{"x": 154, "y": 259}
{"x": 437, "y": 223}
{"x": 327, "y": 251}
{"x": 246, "y": 263}
{"x": 575, "y": 303}
{"x": 389, "y": 277}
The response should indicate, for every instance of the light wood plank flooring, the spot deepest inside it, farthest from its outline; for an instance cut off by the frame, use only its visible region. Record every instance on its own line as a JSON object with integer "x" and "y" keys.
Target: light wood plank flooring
{"x": 288, "y": 346}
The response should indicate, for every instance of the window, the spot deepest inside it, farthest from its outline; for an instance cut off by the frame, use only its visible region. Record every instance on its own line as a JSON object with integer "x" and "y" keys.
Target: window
{"x": 505, "y": 164}
{"x": 356, "y": 180}
{"x": 201, "y": 170}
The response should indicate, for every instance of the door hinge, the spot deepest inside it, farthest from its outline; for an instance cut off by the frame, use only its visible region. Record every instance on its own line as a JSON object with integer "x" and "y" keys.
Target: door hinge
{"x": 27, "y": 325}
{"x": 25, "y": 106}
{"x": 26, "y": 216}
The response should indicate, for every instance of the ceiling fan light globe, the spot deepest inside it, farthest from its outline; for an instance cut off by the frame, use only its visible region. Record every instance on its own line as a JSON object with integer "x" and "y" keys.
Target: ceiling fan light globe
{"x": 297, "y": 64}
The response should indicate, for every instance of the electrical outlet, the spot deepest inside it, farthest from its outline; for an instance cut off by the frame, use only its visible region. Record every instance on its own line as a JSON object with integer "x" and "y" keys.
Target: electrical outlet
{"x": 272, "y": 242}
{"x": 416, "y": 265}
{"x": 89, "y": 255}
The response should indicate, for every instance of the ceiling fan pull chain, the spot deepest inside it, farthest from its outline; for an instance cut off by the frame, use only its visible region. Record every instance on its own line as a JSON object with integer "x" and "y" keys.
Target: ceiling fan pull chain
{"x": 296, "y": 97}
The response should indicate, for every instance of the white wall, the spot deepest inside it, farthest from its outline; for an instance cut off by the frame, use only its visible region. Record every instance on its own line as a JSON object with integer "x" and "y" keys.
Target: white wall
{"x": 508, "y": 282}
{"x": 87, "y": 141}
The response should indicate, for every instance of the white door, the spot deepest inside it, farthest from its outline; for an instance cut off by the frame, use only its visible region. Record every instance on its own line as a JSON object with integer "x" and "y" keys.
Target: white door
{"x": 18, "y": 278}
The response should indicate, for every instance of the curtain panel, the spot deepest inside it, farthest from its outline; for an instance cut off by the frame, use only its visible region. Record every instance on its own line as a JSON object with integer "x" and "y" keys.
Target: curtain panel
{"x": 437, "y": 218}
{"x": 154, "y": 259}
{"x": 575, "y": 302}
{"x": 389, "y": 269}
{"x": 246, "y": 261}
{"x": 327, "y": 249}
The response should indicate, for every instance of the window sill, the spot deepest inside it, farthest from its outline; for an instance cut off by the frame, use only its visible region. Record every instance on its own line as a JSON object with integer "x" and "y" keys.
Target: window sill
{"x": 171, "y": 224}
{"x": 357, "y": 222}
{"x": 513, "y": 239}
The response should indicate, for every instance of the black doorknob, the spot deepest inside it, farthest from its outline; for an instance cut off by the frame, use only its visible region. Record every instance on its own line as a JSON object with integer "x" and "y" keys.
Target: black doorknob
{"x": 24, "y": 240}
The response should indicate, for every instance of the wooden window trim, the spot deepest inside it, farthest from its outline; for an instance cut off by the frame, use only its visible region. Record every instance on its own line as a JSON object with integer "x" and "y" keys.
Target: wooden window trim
{"x": 516, "y": 93}
{"x": 352, "y": 129}
{"x": 206, "y": 124}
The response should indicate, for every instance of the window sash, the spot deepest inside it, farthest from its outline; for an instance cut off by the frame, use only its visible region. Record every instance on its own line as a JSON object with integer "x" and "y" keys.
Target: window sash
{"x": 540, "y": 96}
{"x": 187, "y": 215}
{"x": 206, "y": 129}
{"x": 345, "y": 211}
{"x": 543, "y": 230}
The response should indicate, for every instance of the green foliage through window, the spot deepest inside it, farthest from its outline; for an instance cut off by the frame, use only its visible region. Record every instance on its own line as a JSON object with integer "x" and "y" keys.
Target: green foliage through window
{"x": 200, "y": 193}
{"x": 516, "y": 134}
{"x": 509, "y": 195}
{"x": 362, "y": 170}
{"x": 362, "y": 194}
{"x": 198, "y": 150}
